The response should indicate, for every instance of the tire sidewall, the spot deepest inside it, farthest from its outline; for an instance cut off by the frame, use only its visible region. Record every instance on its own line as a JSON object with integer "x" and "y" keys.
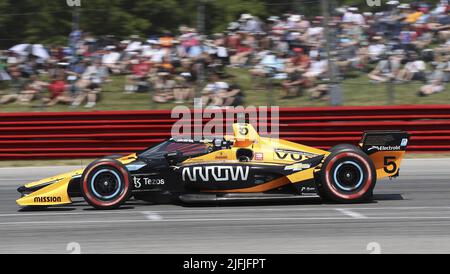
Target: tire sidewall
{"x": 86, "y": 184}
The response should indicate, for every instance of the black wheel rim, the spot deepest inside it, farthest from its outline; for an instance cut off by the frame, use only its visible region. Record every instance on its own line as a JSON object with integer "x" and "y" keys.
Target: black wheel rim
{"x": 106, "y": 184}
{"x": 348, "y": 176}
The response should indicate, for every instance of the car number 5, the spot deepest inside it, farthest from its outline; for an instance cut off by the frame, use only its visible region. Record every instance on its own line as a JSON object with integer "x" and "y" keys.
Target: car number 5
{"x": 390, "y": 166}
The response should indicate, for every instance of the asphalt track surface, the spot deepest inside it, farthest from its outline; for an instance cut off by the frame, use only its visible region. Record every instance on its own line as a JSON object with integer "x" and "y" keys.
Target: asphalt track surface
{"x": 409, "y": 215}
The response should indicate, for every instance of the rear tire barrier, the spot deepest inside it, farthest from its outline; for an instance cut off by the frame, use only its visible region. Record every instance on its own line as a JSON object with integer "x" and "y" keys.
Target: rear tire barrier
{"x": 106, "y": 184}
{"x": 348, "y": 175}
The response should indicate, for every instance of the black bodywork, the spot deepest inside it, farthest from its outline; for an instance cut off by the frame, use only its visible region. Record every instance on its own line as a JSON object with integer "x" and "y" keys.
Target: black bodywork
{"x": 161, "y": 176}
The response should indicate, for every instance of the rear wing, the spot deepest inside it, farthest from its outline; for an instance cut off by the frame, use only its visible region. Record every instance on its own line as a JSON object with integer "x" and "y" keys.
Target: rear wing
{"x": 375, "y": 141}
{"x": 386, "y": 149}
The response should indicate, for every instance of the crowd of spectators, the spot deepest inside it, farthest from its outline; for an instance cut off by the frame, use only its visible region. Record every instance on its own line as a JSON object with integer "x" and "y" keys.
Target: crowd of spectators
{"x": 406, "y": 42}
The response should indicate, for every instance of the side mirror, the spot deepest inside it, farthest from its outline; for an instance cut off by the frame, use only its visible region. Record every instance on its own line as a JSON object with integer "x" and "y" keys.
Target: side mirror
{"x": 173, "y": 157}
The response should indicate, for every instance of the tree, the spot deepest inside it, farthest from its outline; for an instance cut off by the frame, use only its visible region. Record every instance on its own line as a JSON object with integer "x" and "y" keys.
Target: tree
{"x": 43, "y": 21}
{"x": 50, "y": 22}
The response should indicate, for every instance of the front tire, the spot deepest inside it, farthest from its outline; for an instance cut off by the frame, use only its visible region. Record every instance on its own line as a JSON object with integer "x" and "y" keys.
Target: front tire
{"x": 106, "y": 184}
{"x": 348, "y": 175}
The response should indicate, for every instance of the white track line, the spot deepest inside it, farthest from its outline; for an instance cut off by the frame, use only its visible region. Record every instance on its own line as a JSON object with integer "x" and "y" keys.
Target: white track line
{"x": 351, "y": 213}
{"x": 213, "y": 210}
{"x": 152, "y": 216}
{"x": 221, "y": 220}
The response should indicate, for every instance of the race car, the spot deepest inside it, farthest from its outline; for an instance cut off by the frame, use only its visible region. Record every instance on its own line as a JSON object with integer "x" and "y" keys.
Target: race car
{"x": 243, "y": 167}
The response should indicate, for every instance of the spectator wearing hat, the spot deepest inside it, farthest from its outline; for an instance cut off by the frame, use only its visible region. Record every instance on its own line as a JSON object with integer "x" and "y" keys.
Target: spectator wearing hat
{"x": 93, "y": 78}
{"x": 164, "y": 86}
{"x": 243, "y": 52}
{"x": 185, "y": 82}
{"x": 347, "y": 58}
{"x": 30, "y": 90}
{"x": 214, "y": 91}
{"x": 413, "y": 70}
{"x": 271, "y": 64}
{"x": 353, "y": 16}
{"x": 314, "y": 34}
{"x": 232, "y": 96}
{"x": 387, "y": 69}
{"x": 74, "y": 74}
{"x": 361, "y": 61}
{"x": 167, "y": 40}
{"x": 250, "y": 23}
{"x": 219, "y": 51}
{"x": 300, "y": 60}
{"x": 59, "y": 92}
{"x": 437, "y": 78}
{"x": 140, "y": 70}
{"x": 111, "y": 59}
{"x": 407, "y": 38}
{"x": 318, "y": 68}
{"x": 413, "y": 16}
{"x": 295, "y": 68}
{"x": 376, "y": 49}
{"x": 435, "y": 85}
{"x": 293, "y": 22}
{"x": 17, "y": 80}
{"x": 293, "y": 86}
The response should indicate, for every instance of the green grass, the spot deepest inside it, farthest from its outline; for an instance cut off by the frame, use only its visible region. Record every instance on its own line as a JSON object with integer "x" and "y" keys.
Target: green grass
{"x": 357, "y": 91}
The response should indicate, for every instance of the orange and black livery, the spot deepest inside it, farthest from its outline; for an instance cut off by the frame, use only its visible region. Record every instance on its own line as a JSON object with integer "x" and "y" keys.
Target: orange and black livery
{"x": 242, "y": 167}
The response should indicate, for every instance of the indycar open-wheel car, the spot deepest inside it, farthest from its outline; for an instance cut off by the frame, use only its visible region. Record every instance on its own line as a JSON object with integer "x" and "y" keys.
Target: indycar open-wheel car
{"x": 243, "y": 167}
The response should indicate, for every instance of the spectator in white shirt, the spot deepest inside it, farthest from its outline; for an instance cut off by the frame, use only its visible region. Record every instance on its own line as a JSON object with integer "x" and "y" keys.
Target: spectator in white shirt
{"x": 376, "y": 49}
{"x": 317, "y": 68}
{"x": 211, "y": 91}
{"x": 93, "y": 78}
{"x": 111, "y": 59}
{"x": 413, "y": 70}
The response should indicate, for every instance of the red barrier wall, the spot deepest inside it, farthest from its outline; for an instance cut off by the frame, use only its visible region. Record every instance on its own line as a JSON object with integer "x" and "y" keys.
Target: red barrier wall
{"x": 95, "y": 134}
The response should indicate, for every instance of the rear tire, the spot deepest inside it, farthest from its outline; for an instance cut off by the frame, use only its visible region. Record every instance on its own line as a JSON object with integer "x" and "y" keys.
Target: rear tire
{"x": 348, "y": 175}
{"x": 105, "y": 184}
